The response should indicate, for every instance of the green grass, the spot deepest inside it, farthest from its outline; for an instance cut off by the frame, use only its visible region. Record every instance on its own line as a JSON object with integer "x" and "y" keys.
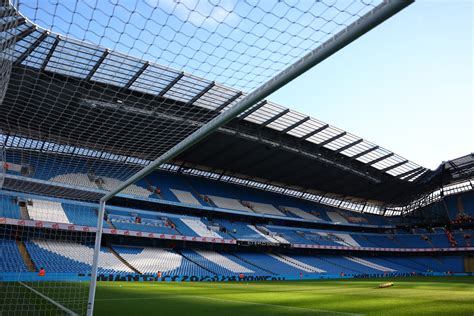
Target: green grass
{"x": 409, "y": 296}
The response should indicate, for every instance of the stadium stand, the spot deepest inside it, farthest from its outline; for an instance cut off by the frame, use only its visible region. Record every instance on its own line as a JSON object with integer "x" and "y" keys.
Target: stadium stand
{"x": 42, "y": 210}
{"x": 70, "y": 257}
{"x": 151, "y": 260}
{"x": 11, "y": 257}
{"x": 185, "y": 197}
{"x": 63, "y": 256}
{"x": 9, "y": 208}
{"x": 199, "y": 228}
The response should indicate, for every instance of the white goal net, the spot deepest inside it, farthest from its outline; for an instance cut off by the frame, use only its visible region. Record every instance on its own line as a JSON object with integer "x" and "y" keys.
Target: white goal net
{"x": 92, "y": 92}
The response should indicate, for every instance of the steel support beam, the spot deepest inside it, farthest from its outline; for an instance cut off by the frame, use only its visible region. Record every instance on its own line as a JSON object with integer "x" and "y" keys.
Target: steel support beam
{"x": 201, "y": 93}
{"x": 275, "y": 117}
{"x": 293, "y": 126}
{"x": 348, "y": 146}
{"x": 419, "y": 172}
{"x": 12, "y": 41}
{"x": 252, "y": 110}
{"x": 226, "y": 103}
{"x": 50, "y": 53}
{"x": 30, "y": 49}
{"x": 322, "y": 128}
{"x": 365, "y": 152}
{"x": 12, "y": 24}
{"x": 401, "y": 163}
{"x": 330, "y": 140}
{"x": 7, "y": 11}
{"x": 136, "y": 75}
{"x": 171, "y": 84}
{"x": 372, "y": 162}
{"x": 97, "y": 65}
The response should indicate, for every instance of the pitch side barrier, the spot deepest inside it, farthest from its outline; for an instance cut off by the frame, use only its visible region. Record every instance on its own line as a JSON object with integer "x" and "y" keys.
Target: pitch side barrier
{"x": 77, "y": 277}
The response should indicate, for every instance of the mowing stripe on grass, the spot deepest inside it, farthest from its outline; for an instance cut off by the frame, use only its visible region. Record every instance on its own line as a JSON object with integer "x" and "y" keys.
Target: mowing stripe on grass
{"x": 67, "y": 310}
{"x": 327, "y": 312}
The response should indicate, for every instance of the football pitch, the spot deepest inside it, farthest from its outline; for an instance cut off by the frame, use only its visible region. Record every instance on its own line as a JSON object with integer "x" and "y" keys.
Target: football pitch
{"x": 408, "y": 296}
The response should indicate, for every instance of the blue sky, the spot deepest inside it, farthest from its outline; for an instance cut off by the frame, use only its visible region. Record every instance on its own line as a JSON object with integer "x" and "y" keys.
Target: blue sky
{"x": 407, "y": 85}
{"x": 238, "y": 43}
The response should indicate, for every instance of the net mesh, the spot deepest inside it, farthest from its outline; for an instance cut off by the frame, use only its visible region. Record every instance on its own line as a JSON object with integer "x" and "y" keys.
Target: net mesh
{"x": 93, "y": 91}
{"x": 99, "y": 89}
{"x": 46, "y": 249}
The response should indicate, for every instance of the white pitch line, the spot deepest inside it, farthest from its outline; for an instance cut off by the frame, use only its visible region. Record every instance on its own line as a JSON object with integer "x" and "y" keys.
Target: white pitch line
{"x": 67, "y": 310}
{"x": 232, "y": 301}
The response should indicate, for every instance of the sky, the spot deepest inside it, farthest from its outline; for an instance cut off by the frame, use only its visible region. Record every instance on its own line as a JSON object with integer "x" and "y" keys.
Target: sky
{"x": 406, "y": 85}
{"x": 238, "y": 43}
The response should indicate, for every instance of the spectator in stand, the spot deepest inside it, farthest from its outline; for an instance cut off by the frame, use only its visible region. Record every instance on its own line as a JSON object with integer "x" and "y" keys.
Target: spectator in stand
{"x": 158, "y": 275}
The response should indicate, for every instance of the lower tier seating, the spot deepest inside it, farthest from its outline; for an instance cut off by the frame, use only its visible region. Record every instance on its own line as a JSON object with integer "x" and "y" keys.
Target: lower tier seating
{"x": 10, "y": 257}
{"x": 63, "y": 256}
{"x": 71, "y": 257}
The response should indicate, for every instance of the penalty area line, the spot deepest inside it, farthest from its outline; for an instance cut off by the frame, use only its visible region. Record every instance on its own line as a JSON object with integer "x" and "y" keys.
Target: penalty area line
{"x": 327, "y": 312}
{"x": 67, "y": 310}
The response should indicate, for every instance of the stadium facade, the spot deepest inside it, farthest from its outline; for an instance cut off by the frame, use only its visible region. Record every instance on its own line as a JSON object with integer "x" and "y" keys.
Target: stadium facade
{"x": 273, "y": 194}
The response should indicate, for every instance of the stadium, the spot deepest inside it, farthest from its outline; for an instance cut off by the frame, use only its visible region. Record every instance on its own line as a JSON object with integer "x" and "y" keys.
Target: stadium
{"x": 145, "y": 171}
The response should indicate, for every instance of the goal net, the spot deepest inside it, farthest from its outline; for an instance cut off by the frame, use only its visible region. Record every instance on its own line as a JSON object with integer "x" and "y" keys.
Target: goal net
{"x": 92, "y": 92}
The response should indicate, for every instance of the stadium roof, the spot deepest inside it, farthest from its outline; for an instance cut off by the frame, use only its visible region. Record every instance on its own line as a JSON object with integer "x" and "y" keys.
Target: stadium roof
{"x": 268, "y": 142}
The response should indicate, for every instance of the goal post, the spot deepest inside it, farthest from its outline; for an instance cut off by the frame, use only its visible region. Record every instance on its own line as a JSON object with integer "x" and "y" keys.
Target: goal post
{"x": 338, "y": 41}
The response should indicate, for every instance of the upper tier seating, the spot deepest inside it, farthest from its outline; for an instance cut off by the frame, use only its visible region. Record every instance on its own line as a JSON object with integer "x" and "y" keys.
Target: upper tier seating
{"x": 336, "y": 217}
{"x": 133, "y": 189}
{"x": 346, "y": 240}
{"x": 106, "y": 183}
{"x": 199, "y": 228}
{"x": 80, "y": 214}
{"x": 8, "y": 207}
{"x": 176, "y": 187}
{"x": 77, "y": 179}
{"x": 185, "y": 197}
{"x": 300, "y": 213}
{"x": 242, "y": 231}
{"x": 47, "y": 211}
{"x": 292, "y": 235}
{"x": 145, "y": 228}
{"x": 228, "y": 203}
{"x": 265, "y": 208}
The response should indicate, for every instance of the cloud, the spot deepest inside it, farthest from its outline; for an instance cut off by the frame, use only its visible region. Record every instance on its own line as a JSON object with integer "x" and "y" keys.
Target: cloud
{"x": 200, "y": 13}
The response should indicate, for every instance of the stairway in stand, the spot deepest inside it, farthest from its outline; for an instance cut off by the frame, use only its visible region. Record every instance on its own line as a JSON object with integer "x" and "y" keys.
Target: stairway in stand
{"x": 26, "y": 256}
{"x": 115, "y": 253}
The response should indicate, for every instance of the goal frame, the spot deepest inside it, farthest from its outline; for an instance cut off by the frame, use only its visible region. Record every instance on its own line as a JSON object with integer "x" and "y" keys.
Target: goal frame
{"x": 352, "y": 32}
